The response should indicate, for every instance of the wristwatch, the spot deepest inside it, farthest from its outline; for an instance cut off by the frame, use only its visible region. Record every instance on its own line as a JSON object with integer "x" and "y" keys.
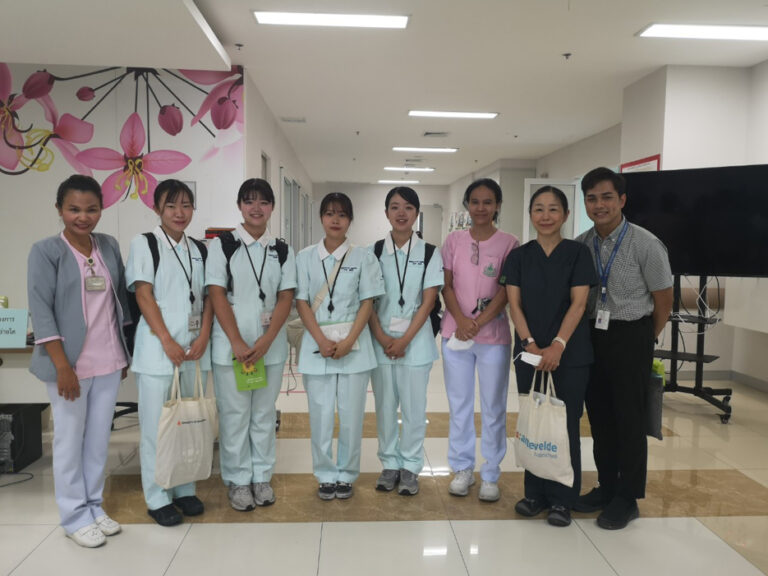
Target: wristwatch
{"x": 527, "y": 342}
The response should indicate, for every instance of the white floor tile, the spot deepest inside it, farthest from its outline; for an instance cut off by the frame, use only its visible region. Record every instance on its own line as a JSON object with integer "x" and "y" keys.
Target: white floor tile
{"x": 140, "y": 549}
{"x": 745, "y": 534}
{"x": 30, "y": 502}
{"x": 274, "y": 549}
{"x": 386, "y": 548}
{"x": 17, "y": 541}
{"x": 667, "y": 546}
{"x": 760, "y": 476}
{"x": 742, "y": 453}
{"x": 678, "y": 453}
{"x": 526, "y": 547}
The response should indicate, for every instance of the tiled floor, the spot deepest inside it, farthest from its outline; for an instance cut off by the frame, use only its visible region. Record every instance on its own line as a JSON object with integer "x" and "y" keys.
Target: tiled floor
{"x": 706, "y": 511}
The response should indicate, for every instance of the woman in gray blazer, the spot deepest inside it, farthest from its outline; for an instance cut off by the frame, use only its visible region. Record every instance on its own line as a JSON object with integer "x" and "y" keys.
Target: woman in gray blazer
{"x": 77, "y": 298}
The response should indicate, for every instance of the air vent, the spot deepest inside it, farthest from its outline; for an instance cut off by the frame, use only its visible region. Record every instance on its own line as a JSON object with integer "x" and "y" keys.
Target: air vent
{"x": 413, "y": 160}
{"x": 293, "y": 119}
{"x": 436, "y": 134}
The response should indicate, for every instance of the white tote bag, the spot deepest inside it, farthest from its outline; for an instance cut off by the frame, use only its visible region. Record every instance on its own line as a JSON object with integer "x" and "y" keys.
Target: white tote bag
{"x": 185, "y": 436}
{"x": 541, "y": 439}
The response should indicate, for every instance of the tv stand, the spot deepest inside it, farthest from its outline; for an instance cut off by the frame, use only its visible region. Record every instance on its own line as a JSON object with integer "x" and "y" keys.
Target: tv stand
{"x": 699, "y": 358}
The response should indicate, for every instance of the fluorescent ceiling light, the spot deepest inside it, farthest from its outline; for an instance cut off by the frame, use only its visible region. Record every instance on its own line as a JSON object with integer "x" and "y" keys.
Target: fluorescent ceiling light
{"x": 342, "y": 20}
{"x": 438, "y": 114}
{"x": 407, "y": 169}
{"x": 398, "y": 181}
{"x": 412, "y": 149}
{"x": 698, "y": 32}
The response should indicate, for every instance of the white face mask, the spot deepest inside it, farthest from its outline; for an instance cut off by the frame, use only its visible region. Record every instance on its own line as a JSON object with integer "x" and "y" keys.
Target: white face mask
{"x": 532, "y": 359}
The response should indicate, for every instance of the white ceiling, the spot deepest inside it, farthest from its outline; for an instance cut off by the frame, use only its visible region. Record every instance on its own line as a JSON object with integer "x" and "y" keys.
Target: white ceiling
{"x": 355, "y": 87}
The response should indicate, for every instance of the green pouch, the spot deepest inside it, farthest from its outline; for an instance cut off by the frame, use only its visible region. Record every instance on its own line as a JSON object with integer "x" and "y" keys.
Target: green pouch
{"x": 252, "y": 377}
{"x": 658, "y": 370}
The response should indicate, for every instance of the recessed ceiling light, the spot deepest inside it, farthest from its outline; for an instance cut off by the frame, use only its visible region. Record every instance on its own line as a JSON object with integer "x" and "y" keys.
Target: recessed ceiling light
{"x": 700, "y": 32}
{"x": 438, "y": 114}
{"x": 407, "y": 169}
{"x": 412, "y": 149}
{"x": 398, "y": 181}
{"x": 342, "y": 20}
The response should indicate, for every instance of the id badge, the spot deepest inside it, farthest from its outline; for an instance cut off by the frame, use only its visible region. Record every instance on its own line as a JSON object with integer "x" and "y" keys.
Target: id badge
{"x": 195, "y": 322}
{"x": 266, "y": 318}
{"x": 399, "y": 324}
{"x": 95, "y": 283}
{"x": 603, "y": 317}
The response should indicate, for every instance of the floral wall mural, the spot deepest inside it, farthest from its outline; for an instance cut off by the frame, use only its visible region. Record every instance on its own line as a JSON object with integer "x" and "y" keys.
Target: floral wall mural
{"x": 162, "y": 115}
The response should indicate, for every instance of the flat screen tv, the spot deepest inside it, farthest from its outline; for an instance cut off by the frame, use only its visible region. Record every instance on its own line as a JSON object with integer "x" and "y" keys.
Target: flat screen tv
{"x": 713, "y": 221}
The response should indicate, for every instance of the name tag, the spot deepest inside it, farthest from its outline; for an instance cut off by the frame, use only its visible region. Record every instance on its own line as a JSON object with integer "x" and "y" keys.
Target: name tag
{"x": 95, "y": 283}
{"x": 266, "y": 318}
{"x": 602, "y": 320}
{"x": 399, "y": 324}
{"x": 194, "y": 322}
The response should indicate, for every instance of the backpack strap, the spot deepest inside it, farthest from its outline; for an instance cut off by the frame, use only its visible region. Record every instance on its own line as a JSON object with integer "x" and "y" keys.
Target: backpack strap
{"x": 228, "y": 245}
{"x": 378, "y": 248}
{"x": 429, "y": 249}
{"x": 202, "y": 247}
{"x": 152, "y": 242}
{"x": 281, "y": 247}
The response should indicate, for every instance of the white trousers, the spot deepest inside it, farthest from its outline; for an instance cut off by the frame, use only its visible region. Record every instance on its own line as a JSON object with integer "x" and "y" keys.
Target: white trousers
{"x": 324, "y": 393}
{"x": 247, "y": 421}
{"x": 404, "y": 387}
{"x": 491, "y": 361}
{"x": 81, "y": 430}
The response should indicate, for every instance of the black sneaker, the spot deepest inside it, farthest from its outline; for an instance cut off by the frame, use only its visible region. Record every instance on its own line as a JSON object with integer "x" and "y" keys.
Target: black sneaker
{"x": 166, "y": 516}
{"x": 620, "y": 512}
{"x": 189, "y": 505}
{"x": 559, "y": 516}
{"x": 596, "y": 499}
{"x": 326, "y": 491}
{"x": 343, "y": 490}
{"x": 530, "y": 507}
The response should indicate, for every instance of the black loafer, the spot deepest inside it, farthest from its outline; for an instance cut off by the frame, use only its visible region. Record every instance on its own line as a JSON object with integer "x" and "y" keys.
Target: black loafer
{"x": 559, "y": 516}
{"x": 189, "y": 505}
{"x": 530, "y": 507}
{"x": 166, "y": 516}
{"x": 596, "y": 499}
{"x": 620, "y": 512}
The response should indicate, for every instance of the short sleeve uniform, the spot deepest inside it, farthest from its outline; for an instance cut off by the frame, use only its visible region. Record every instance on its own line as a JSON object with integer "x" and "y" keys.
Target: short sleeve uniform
{"x": 545, "y": 293}
{"x": 170, "y": 287}
{"x": 422, "y": 349}
{"x": 359, "y": 279}
{"x": 477, "y": 281}
{"x": 248, "y": 308}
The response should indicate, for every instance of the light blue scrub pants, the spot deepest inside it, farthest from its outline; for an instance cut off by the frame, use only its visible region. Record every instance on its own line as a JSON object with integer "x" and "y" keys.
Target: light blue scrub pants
{"x": 492, "y": 364}
{"x": 81, "y": 430}
{"x": 324, "y": 392}
{"x": 154, "y": 391}
{"x": 247, "y": 421}
{"x": 397, "y": 385}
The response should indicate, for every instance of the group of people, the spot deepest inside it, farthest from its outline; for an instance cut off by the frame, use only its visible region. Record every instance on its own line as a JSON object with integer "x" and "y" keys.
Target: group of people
{"x": 366, "y": 314}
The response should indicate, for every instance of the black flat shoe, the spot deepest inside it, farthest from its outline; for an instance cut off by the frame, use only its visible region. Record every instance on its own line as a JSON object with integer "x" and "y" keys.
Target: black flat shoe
{"x": 166, "y": 516}
{"x": 559, "y": 516}
{"x": 596, "y": 499}
{"x": 189, "y": 505}
{"x": 620, "y": 512}
{"x": 530, "y": 507}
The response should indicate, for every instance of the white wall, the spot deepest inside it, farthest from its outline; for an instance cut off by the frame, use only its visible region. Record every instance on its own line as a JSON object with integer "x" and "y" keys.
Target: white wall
{"x": 601, "y": 149}
{"x": 642, "y": 121}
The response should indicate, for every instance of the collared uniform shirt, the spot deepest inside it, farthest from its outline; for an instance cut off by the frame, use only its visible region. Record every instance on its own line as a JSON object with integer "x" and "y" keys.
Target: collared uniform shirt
{"x": 359, "y": 279}
{"x": 244, "y": 298}
{"x": 641, "y": 266}
{"x": 422, "y": 349}
{"x": 171, "y": 291}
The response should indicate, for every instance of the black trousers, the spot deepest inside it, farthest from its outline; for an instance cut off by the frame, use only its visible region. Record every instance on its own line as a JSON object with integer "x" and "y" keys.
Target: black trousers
{"x": 616, "y": 405}
{"x": 570, "y": 387}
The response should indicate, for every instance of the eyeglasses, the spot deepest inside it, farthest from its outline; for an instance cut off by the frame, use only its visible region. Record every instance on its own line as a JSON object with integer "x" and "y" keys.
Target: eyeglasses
{"x": 475, "y": 259}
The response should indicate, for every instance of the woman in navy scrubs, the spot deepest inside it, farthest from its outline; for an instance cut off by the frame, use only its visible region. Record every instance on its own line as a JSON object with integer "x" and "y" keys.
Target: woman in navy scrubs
{"x": 548, "y": 281}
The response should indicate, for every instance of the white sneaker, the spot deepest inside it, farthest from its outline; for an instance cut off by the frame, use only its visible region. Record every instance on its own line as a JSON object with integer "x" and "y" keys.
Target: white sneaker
{"x": 461, "y": 482}
{"x": 489, "y": 491}
{"x": 88, "y": 536}
{"x": 108, "y": 526}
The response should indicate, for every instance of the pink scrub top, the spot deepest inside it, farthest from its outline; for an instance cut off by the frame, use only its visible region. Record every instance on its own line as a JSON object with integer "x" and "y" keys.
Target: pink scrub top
{"x": 474, "y": 281}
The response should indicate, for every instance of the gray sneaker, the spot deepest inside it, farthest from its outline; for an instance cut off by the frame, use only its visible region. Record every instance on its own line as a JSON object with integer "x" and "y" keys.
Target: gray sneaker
{"x": 409, "y": 483}
{"x": 241, "y": 498}
{"x": 489, "y": 491}
{"x": 263, "y": 495}
{"x": 461, "y": 482}
{"x": 387, "y": 480}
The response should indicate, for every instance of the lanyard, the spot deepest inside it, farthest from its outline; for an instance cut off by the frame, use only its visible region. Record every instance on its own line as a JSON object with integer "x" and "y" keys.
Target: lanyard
{"x": 604, "y": 273}
{"x": 189, "y": 254}
{"x": 401, "y": 281}
{"x": 331, "y": 289}
{"x": 262, "y": 296}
